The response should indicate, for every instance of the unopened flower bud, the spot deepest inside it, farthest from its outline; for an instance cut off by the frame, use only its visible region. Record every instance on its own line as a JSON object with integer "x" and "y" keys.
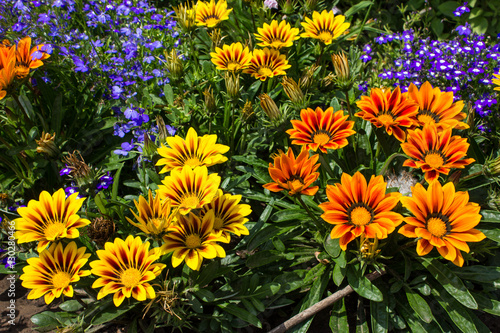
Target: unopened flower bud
{"x": 341, "y": 67}
{"x": 492, "y": 167}
{"x": 247, "y": 112}
{"x": 310, "y": 5}
{"x": 269, "y": 107}
{"x": 307, "y": 78}
{"x": 209, "y": 100}
{"x": 174, "y": 64}
{"x": 232, "y": 84}
{"x": 185, "y": 15}
{"x": 288, "y": 7}
{"x": 293, "y": 91}
{"x": 216, "y": 38}
{"x": 47, "y": 146}
{"x": 150, "y": 147}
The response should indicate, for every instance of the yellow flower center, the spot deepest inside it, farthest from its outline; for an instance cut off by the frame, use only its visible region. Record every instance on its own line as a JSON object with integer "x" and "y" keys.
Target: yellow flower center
{"x": 61, "y": 280}
{"x": 190, "y": 201}
{"x": 360, "y": 216}
{"x": 436, "y": 226}
{"x": 218, "y": 223}
{"x": 325, "y": 36}
{"x": 193, "y": 162}
{"x": 427, "y": 117}
{"x": 386, "y": 119}
{"x": 295, "y": 184}
{"x": 157, "y": 221}
{"x": 211, "y": 20}
{"x": 193, "y": 241}
{"x": 233, "y": 66}
{"x": 434, "y": 160}
{"x": 321, "y": 138}
{"x": 54, "y": 230}
{"x": 265, "y": 71}
{"x": 131, "y": 277}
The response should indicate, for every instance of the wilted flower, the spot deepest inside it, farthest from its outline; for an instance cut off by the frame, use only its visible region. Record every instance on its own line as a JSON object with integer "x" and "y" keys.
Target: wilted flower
{"x": 47, "y": 146}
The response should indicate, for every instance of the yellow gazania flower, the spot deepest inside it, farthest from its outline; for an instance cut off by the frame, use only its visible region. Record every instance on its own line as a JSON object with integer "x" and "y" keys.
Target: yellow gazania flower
{"x": 442, "y": 218}
{"x": 193, "y": 152}
{"x": 277, "y": 35}
{"x": 496, "y": 81}
{"x": 7, "y": 75}
{"x": 435, "y": 152}
{"x": 210, "y": 14}
{"x": 154, "y": 217}
{"x": 325, "y": 26}
{"x": 189, "y": 189}
{"x": 192, "y": 239}
{"x": 437, "y": 107}
{"x": 231, "y": 57}
{"x": 229, "y": 214}
{"x": 125, "y": 268}
{"x": 294, "y": 175}
{"x": 357, "y": 208}
{"x": 51, "y": 218}
{"x": 267, "y": 63}
{"x": 25, "y": 60}
{"x": 389, "y": 109}
{"x": 53, "y": 272}
{"x": 321, "y": 130}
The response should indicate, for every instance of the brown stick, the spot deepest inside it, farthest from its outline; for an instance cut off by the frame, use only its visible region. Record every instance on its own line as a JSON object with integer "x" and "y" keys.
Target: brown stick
{"x": 311, "y": 311}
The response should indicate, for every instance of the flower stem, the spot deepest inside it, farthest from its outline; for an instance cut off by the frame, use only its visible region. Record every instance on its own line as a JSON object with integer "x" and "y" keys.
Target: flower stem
{"x": 323, "y": 158}
{"x": 319, "y": 226}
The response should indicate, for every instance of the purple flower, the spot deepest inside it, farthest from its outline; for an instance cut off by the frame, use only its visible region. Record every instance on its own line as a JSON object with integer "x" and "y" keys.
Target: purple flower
{"x": 461, "y": 10}
{"x": 105, "y": 182}
{"x": 171, "y": 130}
{"x": 126, "y": 147}
{"x": 464, "y": 30}
{"x": 65, "y": 171}
{"x": 71, "y": 190}
{"x": 271, "y": 4}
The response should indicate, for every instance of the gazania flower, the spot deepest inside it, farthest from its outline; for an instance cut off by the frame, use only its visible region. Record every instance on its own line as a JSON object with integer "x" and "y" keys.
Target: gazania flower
{"x": 437, "y": 107}
{"x": 325, "y": 26}
{"x": 231, "y": 57}
{"x": 442, "y": 218}
{"x": 294, "y": 175}
{"x": 193, "y": 152}
{"x": 28, "y": 58}
{"x": 435, "y": 152}
{"x": 389, "y": 109}
{"x": 229, "y": 214}
{"x": 51, "y": 218}
{"x": 496, "y": 81}
{"x": 210, "y": 14}
{"x": 267, "y": 63}
{"x": 7, "y": 54}
{"x": 154, "y": 216}
{"x": 189, "y": 189}
{"x": 357, "y": 208}
{"x": 125, "y": 268}
{"x": 192, "y": 239}
{"x": 7, "y": 75}
{"x": 54, "y": 271}
{"x": 277, "y": 35}
{"x": 321, "y": 129}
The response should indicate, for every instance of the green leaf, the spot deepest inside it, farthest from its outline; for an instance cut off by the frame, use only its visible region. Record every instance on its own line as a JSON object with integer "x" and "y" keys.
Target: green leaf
{"x": 289, "y": 215}
{"x": 379, "y": 312}
{"x": 26, "y": 105}
{"x": 204, "y": 294}
{"x": 361, "y": 322}
{"x": 357, "y": 7}
{"x": 362, "y": 286}
{"x": 70, "y": 306}
{"x": 486, "y": 304}
{"x": 437, "y": 26}
{"x": 195, "y": 304}
{"x": 240, "y": 313}
{"x": 447, "y": 8}
{"x": 479, "y": 273}
{"x": 490, "y": 216}
{"x": 493, "y": 234}
{"x": 101, "y": 203}
{"x": 263, "y": 258}
{"x": 278, "y": 244}
{"x": 263, "y": 236}
{"x": 416, "y": 326}
{"x": 116, "y": 182}
{"x": 169, "y": 94}
{"x": 332, "y": 246}
{"x": 338, "y": 319}
{"x": 479, "y": 25}
{"x": 111, "y": 312}
{"x": 257, "y": 304}
{"x": 57, "y": 114}
{"x": 48, "y": 321}
{"x": 338, "y": 274}
{"x": 419, "y": 305}
{"x": 449, "y": 281}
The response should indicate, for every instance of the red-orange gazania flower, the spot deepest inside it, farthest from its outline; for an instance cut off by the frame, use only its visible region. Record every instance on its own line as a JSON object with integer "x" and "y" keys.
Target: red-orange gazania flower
{"x": 357, "y": 208}
{"x": 294, "y": 175}
{"x": 442, "y": 218}
{"x": 389, "y": 109}
{"x": 321, "y": 129}
{"x": 267, "y": 63}
{"x": 435, "y": 152}
{"x": 7, "y": 75}
{"x": 437, "y": 107}
{"x": 28, "y": 58}
{"x": 7, "y": 54}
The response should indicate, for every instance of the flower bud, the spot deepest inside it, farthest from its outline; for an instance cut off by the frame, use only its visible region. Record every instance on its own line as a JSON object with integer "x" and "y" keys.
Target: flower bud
{"x": 174, "y": 64}
{"x": 269, "y": 107}
{"x": 492, "y": 167}
{"x": 185, "y": 15}
{"x": 232, "y": 84}
{"x": 47, "y": 146}
{"x": 209, "y": 100}
{"x": 307, "y": 78}
{"x": 150, "y": 148}
{"x": 293, "y": 91}
{"x": 216, "y": 38}
{"x": 247, "y": 112}
{"x": 342, "y": 73}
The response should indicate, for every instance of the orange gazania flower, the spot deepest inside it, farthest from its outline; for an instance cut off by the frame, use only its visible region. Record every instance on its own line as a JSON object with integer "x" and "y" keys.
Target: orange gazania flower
{"x": 189, "y": 189}
{"x": 125, "y": 268}
{"x": 210, "y": 14}
{"x": 357, "y": 208}
{"x": 321, "y": 129}
{"x": 7, "y": 54}
{"x": 325, "y": 26}
{"x": 442, "y": 218}
{"x": 267, "y": 63}
{"x": 437, "y": 107}
{"x": 50, "y": 219}
{"x": 294, "y": 175}
{"x": 389, "y": 109}
{"x": 28, "y": 58}
{"x": 192, "y": 239}
{"x": 54, "y": 271}
{"x": 277, "y": 35}
{"x": 231, "y": 57}
{"x": 435, "y": 152}
{"x": 195, "y": 151}
{"x": 7, "y": 75}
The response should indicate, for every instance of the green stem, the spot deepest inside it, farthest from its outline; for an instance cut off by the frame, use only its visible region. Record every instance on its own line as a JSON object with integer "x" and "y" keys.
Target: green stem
{"x": 253, "y": 19}
{"x": 381, "y": 141}
{"x": 364, "y": 21}
{"x": 323, "y": 158}
{"x": 322, "y": 46}
{"x": 346, "y": 92}
{"x": 389, "y": 160}
{"x": 311, "y": 215}
{"x": 472, "y": 175}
